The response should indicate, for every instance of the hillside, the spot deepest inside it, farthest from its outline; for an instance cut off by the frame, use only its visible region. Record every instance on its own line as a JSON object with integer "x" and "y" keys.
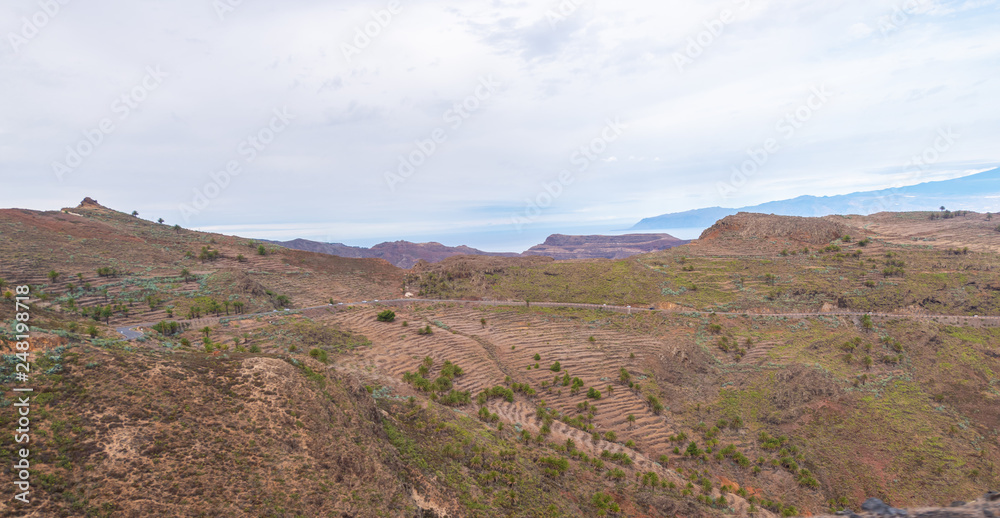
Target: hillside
{"x": 978, "y": 192}
{"x": 752, "y": 262}
{"x": 773, "y": 404}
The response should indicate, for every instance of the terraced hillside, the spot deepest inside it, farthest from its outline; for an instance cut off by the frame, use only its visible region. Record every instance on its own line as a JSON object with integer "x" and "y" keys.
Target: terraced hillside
{"x": 857, "y": 409}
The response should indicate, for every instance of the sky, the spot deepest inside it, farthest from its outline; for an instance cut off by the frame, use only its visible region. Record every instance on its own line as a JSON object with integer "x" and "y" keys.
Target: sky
{"x": 490, "y": 124}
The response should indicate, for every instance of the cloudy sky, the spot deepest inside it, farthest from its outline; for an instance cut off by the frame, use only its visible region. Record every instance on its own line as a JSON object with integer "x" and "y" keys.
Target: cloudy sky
{"x": 483, "y": 123}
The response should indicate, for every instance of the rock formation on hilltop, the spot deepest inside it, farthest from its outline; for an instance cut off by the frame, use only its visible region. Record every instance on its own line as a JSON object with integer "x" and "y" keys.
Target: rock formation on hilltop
{"x": 89, "y": 202}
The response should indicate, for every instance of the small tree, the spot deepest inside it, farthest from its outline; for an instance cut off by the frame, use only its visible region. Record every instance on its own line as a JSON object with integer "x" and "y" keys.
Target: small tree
{"x": 631, "y": 420}
{"x": 386, "y": 316}
{"x": 135, "y": 214}
{"x": 206, "y": 331}
{"x": 866, "y": 322}
{"x": 53, "y": 275}
{"x": 261, "y": 250}
{"x": 177, "y": 228}
{"x": 160, "y": 221}
{"x": 92, "y": 331}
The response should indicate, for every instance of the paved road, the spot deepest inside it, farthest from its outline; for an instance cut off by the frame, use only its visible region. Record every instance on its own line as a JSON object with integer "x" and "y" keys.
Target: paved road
{"x": 130, "y": 332}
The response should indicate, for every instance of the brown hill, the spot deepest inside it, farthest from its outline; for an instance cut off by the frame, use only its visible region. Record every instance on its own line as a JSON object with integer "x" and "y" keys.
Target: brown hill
{"x": 403, "y": 254}
{"x": 559, "y": 246}
{"x": 755, "y": 230}
{"x": 338, "y": 249}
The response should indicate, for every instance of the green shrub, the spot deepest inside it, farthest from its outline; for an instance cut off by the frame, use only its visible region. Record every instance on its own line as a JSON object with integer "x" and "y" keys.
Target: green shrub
{"x": 386, "y": 316}
{"x": 319, "y": 354}
{"x": 554, "y": 466}
{"x": 604, "y": 503}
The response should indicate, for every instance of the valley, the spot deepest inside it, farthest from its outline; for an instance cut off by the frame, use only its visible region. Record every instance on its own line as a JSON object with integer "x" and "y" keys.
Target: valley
{"x": 788, "y": 366}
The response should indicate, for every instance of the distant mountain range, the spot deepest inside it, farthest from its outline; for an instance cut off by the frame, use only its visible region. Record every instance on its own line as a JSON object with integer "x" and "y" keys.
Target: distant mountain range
{"x": 979, "y": 192}
{"x": 405, "y": 254}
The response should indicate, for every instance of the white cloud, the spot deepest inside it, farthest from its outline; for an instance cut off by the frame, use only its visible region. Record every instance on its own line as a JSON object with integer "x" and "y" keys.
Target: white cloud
{"x": 561, "y": 82}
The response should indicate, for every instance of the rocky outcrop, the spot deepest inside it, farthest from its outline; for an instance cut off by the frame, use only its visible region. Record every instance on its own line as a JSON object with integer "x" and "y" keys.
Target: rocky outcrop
{"x": 987, "y": 506}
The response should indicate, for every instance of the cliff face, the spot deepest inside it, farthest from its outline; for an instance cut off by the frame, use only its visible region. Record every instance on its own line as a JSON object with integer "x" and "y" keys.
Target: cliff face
{"x": 559, "y": 246}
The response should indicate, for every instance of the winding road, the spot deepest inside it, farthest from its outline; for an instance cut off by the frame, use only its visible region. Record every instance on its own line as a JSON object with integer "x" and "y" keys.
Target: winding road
{"x": 132, "y": 331}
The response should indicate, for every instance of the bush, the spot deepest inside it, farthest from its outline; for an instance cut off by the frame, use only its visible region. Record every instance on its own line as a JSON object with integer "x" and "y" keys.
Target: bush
{"x": 554, "y": 466}
{"x": 456, "y": 398}
{"x": 604, "y": 503}
{"x": 654, "y": 402}
{"x": 593, "y": 393}
{"x": 555, "y": 367}
{"x": 386, "y": 316}
{"x": 319, "y": 354}
{"x": 693, "y": 450}
{"x": 167, "y": 328}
